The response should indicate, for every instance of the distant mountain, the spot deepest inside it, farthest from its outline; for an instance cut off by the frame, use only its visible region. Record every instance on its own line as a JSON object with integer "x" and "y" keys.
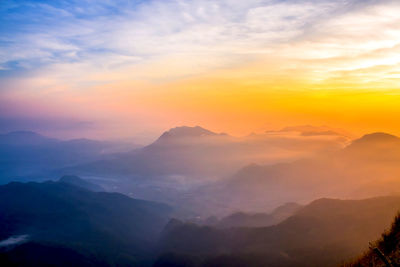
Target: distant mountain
{"x": 30, "y": 155}
{"x": 183, "y": 158}
{"x": 200, "y": 152}
{"x": 244, "y": 219}
{"x": 186, "y": 132}
{"x": 324, "y": 233}
{"x": 375, "y": 148}
{"x": 178, "y": 152}
{"x": 96, "y": 227}
{"x": 367, "y": 167}
{"x": 378, "y": 138}
{"x": 22, "y": 138}
{"x": 79, "y": 182}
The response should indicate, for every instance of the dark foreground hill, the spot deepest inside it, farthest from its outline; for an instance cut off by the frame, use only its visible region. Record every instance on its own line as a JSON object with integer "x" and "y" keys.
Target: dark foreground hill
{"x": 323, "y": 233}
{"x": 57, "y": 223}
{"x": 388, "y": 246}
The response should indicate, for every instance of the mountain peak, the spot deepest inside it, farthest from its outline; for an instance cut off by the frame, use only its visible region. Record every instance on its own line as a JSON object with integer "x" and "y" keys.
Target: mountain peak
{"x": 379, "y": 137}
{"x": 186, "y": 131}
{"x": 376, "y": 138}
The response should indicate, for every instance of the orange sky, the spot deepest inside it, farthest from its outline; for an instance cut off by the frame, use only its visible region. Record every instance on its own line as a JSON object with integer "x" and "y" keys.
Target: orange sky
{"x": 239, "y": 68}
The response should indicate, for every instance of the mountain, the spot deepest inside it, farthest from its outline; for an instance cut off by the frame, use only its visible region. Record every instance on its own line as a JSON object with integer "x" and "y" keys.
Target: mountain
{"x": 99, "y": 227}
{"x": 377, "y": 138}
{"x": 325, "y": 232}
{"x": 180, "y": 151}
{"x": 27, "y": 155}
{"x": 186, "y": 132}
{"x": 369, "y": 166}
{"x": 195, "y": 151}
{"x": 22, "y": 138}
{"x": 79, "y": 182}
{"x": 185, "y": 158}
{"x": 244, "y": 219}
{"x": 374, "y": 148}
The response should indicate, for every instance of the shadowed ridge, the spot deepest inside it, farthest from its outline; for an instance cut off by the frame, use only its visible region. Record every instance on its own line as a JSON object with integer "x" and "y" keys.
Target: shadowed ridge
{"x": 79, "y": 182}
{"x": 25, "y": 138}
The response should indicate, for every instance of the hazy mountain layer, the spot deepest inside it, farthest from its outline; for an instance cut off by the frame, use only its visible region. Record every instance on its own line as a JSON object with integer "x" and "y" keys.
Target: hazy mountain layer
{"x": 369, "y": 166}
{"x": 190, "y": 153}
{"x": 324, "y": 233}
{"x": 27, "y": 155}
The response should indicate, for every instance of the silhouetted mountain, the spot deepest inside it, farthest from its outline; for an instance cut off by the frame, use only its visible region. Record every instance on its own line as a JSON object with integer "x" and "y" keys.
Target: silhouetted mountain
{"x": 101, "y": 227}
{"x": 323, "y": 233}
{"x": 77, "y": 181}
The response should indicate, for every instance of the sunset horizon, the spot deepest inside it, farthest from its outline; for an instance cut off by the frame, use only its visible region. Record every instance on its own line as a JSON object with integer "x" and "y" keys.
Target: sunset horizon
{"x": 71, "y": 69}
{"x": 200, "y": 133}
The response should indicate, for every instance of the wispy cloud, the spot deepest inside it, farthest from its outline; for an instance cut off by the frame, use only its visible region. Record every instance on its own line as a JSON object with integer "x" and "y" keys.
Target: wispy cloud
{"x": 14, "y": 240}
{"x": 112, "y": 35}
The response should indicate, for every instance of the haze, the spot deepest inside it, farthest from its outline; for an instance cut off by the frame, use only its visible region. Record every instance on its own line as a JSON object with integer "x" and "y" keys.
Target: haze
{"x": 200, "y": 133}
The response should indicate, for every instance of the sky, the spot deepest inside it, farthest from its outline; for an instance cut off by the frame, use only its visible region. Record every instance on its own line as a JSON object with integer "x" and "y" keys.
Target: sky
{"x": 118, "y": 69}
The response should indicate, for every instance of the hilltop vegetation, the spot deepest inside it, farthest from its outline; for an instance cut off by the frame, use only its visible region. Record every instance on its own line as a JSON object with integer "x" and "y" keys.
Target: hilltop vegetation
{"x": 388, "y": 244}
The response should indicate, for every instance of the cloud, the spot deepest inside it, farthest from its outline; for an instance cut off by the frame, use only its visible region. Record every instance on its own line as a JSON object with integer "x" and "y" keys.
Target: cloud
{"x": 137, "y": 40}
{"x": 135, "y": 60}
{"x": 93, "y": 34}
{"x": 14, "y": 240}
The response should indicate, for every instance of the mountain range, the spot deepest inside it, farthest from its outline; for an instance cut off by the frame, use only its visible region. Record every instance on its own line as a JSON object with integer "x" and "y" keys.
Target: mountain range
{"x": 184, "y": 159}
{"x": 81, "y": 227}
{"x": 325, "y": 232}
{"x": 206, "y": 173}
{"x": 200, "y": 153}
{"x": 368, "y": 166}
{"x": 27, "y": 155}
